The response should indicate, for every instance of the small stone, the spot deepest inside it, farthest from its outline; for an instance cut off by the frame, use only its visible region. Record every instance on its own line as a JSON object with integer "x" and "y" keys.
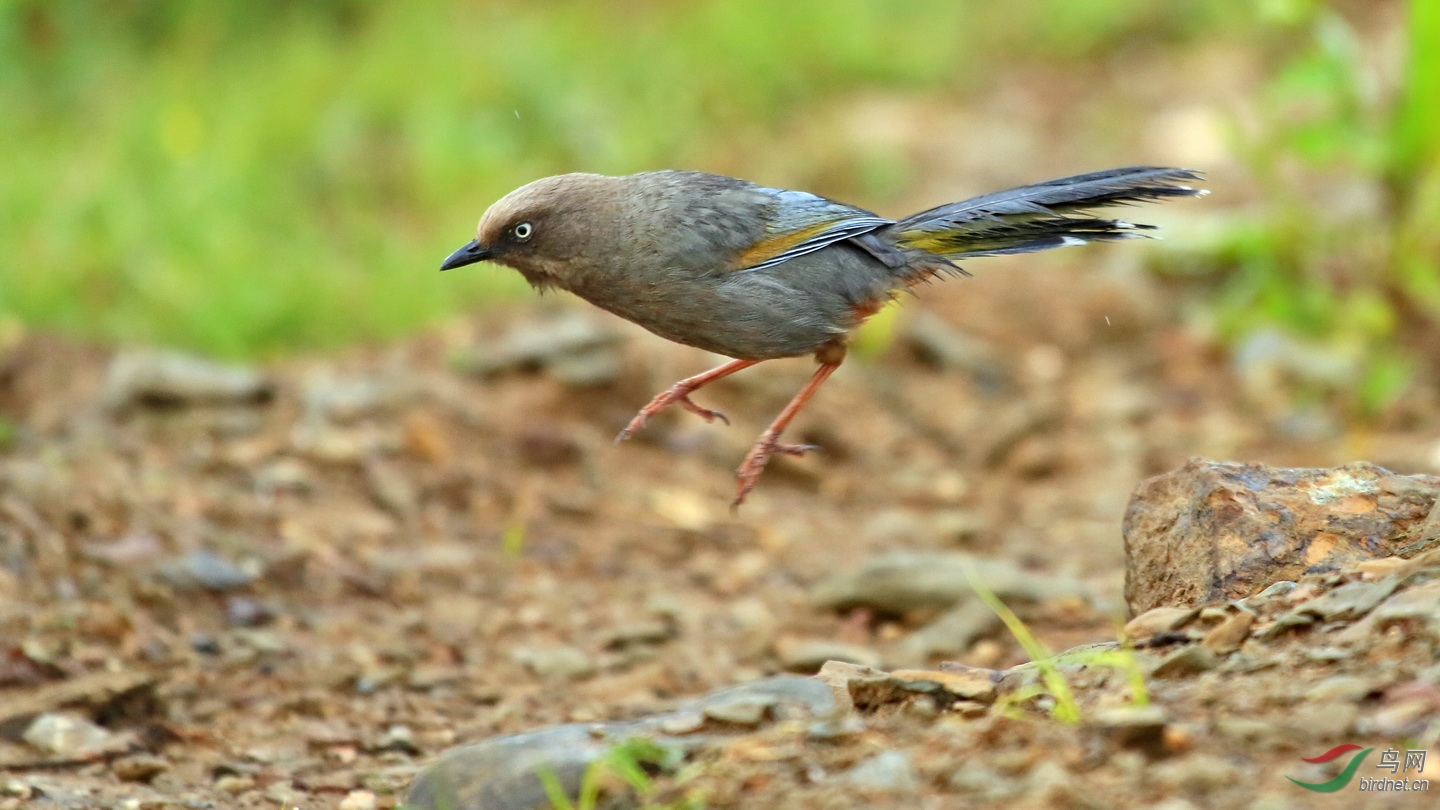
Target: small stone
{"x": 140, "y": 768}
{"x": 683, "y": 723}
{"x": 837, "y": 675}
{"x": 67, "y": 735}
{"x": 560, "y": 662}
{"x": 246, "y": 611}
{"x": 742, "y": 711}
{"x": 1275, "y": 592}
{"x": 358, "y": 800}
{"x": 810, "y": 655}
{"x": 840, "y": 727}
{"x": 167, "y": 378}
{"x": 902, "y": 582}
{"x": 1337, "y": 688}
{"x": 1245, "y": 729}
{"x": 398, "y": 738}
{"x": 1349, "y": 601}
{"x": 205, "y": 569}
{"x": 656, "y": 631}
{"x": 575, "y": 346}
{"x": 1187, "y": 660}
{"x": 1138, "y": 727}
{"x": 971, "y": 683}
{"x": 1229, "y": 635}
{"x": 235, "y": 784}
{"x": 1155, "y": 621}
{"x": 982, "y": 783}
{"x": 885, "y": 772}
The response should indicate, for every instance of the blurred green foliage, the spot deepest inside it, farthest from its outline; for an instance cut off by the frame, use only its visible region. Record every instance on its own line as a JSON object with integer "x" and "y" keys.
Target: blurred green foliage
{"x": 244, "y": 177}
{"x": 1346, "y": 249}
{"x": 248, "y": 177}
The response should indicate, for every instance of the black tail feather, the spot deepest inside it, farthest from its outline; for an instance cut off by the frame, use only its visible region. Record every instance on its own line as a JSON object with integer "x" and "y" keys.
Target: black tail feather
{"x": 1042, "y": 216}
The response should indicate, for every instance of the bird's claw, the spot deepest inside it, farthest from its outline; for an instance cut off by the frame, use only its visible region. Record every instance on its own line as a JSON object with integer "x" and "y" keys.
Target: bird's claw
{"x": 660, "y": 403}
{"x": 749, "y": 472}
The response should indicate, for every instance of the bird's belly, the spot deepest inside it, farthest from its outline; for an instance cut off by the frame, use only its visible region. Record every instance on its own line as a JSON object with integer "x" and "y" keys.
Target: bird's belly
{"x": 745, "y": 320}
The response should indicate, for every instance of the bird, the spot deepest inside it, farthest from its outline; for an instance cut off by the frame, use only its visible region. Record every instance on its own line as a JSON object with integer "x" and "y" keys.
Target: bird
{"x": 756, "y": 273}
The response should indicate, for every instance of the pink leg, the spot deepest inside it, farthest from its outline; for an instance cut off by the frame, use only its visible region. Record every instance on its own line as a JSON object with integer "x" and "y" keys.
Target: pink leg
{"x": 769, "y": 442}
{"x": 680, "y": 392}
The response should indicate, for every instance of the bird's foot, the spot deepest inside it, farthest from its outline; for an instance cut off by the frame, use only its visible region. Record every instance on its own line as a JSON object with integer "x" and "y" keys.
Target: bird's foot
{"x": 754, "y": 464}
{"x": 676, "y": 395}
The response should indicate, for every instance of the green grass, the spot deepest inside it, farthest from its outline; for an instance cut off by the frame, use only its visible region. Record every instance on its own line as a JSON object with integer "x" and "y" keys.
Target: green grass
{"x": 1342, "y": 280}
{"x": 252, "y": 177}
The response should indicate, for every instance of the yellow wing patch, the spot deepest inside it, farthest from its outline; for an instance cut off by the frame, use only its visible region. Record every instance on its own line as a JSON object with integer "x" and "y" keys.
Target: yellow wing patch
{"x": 767, "y": 249}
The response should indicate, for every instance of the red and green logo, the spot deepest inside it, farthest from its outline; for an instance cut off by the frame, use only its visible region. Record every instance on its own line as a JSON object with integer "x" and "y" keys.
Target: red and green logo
{"x": 1343, "y": 778}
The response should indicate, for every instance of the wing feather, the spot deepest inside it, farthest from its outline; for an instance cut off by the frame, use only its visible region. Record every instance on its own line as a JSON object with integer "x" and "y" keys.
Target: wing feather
{"x": 799, "y": 223}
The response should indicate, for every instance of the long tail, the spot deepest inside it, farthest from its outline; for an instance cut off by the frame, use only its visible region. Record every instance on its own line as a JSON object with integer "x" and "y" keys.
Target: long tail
{"x": 1042, "y": 216}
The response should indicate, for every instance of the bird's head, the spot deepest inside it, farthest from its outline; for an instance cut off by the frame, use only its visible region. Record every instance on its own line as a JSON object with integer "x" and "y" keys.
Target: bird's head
{"x": 541, "y": 228}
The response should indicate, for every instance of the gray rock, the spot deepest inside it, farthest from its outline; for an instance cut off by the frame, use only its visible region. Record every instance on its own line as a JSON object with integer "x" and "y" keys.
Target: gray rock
{"x": 951, "y": 632}
{"x": 67, "y": 736}
{"x": 1216, "y": 531}
{"x": 343, "y": 399}
{"x": 559, "y": 662}
{"x": 886, "y": 772}
{"x": 1187, "y": 660}
{"x": 148, "y": 378}
{"x": 576, "y": 346}
{"x": 1349, "y": 601}
{"x": 1273, "y": 593}
{"x": 741, "y": 710}
{"x": 1139, "y": 727}
{"x": 207, "y": 570}
{"x": 502, "y": 773}
{"x": 902, "y": 582}
{"x": 837, "y": 727}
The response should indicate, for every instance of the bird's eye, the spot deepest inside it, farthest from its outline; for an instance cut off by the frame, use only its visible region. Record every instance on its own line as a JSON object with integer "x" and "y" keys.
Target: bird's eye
{"x": 523, "y": 231}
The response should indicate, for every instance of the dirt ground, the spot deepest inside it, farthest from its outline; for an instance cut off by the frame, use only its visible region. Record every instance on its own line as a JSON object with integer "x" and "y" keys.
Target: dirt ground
{"x": 405, "y": 555}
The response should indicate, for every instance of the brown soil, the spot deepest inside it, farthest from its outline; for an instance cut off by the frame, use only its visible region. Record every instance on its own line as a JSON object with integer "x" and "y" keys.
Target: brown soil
{"x": 384, "y": 595}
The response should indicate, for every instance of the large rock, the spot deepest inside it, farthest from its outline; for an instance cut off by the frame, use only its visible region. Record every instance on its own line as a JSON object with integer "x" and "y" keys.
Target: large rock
{"x": 1214, "y": 531}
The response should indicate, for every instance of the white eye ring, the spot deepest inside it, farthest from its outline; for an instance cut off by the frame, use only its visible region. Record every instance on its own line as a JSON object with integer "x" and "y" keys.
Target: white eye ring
{"x": 523, "y": 231}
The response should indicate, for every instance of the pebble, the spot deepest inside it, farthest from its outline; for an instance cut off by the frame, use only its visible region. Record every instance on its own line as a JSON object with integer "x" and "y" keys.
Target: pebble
{"x": 902, "y": 582}
{"x": 841, "y": 727}
{"x": 235, "y": 784}
{"x": 1187, "y": 660}
{"x": 67, "y": 735}
{"x": 576, "y": 347}
{"x": 1275, "y": 592}
{"x": 398, "y": 738}
{"x": 140, "y": 768}
{"x": 1138, "y": 727}
{"x": 150, "y": 378}
{"x": 205, "y": 569}
{"x": 358, "y": 800}
{"x": 560, "y": 662}
{"x": 246, "y": 611}
{"x": 742, "y": 711}
{"x": 885, "y": 772}
{"x": 1230, "y": 634}
{"x": 1155, "y": 621}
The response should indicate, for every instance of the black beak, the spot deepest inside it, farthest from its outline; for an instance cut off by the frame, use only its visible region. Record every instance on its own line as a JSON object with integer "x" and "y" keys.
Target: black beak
{"x": 472, "y": 252}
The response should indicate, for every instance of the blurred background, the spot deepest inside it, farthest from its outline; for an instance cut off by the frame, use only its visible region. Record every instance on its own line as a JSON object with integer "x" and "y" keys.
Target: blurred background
{"x": 252, "y": 178}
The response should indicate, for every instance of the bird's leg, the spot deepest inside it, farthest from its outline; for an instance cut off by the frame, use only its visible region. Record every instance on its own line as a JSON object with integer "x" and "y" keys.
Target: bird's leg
{"x": 680, "y": 392}
{"x": 769, "y": 442}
